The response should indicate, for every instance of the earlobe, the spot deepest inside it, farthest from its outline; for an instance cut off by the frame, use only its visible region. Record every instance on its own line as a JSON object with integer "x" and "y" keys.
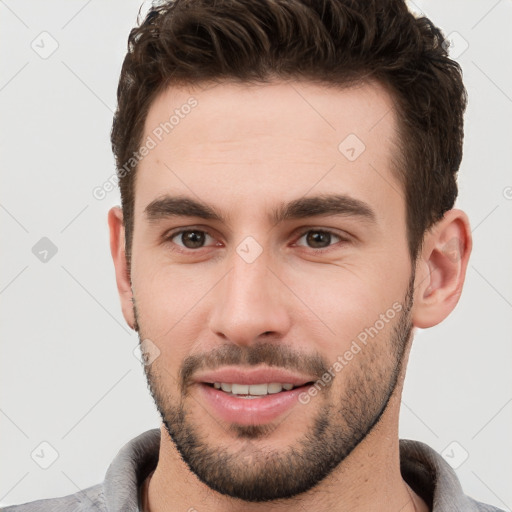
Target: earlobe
{"x": 441, "y": 269}
{"x": 117, "y": 249}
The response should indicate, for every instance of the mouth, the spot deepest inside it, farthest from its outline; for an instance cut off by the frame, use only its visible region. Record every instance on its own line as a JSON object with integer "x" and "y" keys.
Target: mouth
{"x": 251, "y": 396}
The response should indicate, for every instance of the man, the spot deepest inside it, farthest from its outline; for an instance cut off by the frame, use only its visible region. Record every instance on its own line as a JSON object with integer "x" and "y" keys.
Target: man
{"x": 287, "y": 173}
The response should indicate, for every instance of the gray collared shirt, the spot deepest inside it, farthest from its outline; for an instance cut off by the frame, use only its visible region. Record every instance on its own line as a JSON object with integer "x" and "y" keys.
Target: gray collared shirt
{"x": 423, "y": 469}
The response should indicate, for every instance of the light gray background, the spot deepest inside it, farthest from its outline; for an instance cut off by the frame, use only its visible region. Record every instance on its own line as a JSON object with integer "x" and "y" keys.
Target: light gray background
{"x": 68, "y": 374}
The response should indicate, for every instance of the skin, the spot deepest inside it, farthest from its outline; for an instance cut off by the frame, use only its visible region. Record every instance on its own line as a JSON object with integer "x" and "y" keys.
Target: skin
{"x": 244, "y": 150}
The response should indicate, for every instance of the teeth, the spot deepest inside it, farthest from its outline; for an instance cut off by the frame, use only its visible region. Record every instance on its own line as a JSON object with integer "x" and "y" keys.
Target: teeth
{"x": 240, "y": 389}
{"x": 253, "y": 389}
{"x": 274, "y": 388}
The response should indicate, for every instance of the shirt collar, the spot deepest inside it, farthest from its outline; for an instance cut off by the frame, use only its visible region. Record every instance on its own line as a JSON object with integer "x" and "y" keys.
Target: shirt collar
{"x": 132, "y": 464}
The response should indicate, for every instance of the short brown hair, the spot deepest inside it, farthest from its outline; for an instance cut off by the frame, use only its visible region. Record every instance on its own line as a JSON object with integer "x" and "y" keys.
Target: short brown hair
{"x": 331, "y": 42}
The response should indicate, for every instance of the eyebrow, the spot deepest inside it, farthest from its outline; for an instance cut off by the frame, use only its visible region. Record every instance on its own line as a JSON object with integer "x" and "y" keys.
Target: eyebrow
{"x": 322, "y": 205}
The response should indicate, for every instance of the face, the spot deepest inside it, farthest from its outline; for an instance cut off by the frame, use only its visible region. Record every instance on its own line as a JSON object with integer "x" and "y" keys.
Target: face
{"x": 269, "y": 247}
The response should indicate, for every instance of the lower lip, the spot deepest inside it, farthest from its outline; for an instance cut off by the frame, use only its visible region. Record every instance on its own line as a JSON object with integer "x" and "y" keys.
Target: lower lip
{"x": 249, "y": 411}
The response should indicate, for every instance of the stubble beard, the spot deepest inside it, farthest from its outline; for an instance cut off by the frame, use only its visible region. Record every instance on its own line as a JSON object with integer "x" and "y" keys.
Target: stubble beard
{"x": 257, "y": 473}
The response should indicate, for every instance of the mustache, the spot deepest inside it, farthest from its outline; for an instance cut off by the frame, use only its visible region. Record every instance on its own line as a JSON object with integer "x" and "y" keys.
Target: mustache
{"x": 270, "y": 354}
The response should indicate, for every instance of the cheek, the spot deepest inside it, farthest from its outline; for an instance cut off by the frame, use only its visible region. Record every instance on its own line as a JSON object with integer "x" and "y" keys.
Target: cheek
{"x": 342, "y": 304}
{"x": 168, "y": 301}
{"x": 166, "y": 291}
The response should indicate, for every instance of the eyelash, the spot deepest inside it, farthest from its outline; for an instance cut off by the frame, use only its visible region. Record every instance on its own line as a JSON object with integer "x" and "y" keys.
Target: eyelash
{"x": 168, "y": 238}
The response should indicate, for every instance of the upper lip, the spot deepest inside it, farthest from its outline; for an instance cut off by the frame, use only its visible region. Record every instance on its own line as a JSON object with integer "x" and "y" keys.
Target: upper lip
{"x": 253, "y": 376}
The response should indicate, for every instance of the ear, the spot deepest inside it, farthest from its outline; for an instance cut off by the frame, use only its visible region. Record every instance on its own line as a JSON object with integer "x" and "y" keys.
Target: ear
{"x": 441, "y": 269}
{"x": 117, "y": 249}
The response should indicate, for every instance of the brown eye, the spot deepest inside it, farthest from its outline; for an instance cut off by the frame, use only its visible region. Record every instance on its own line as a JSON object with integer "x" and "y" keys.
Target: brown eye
{"x": 319, "y": 239}
{"x": 190, "y": 239}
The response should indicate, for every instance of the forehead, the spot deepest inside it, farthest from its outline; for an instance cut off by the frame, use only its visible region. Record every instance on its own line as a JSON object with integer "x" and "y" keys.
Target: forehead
{"x": 302, "y": 109}
{"x": 265, "y": 141}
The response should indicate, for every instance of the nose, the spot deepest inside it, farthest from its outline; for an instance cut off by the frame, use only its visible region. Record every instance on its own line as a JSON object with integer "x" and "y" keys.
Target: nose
{"x": 251, "y": 301}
